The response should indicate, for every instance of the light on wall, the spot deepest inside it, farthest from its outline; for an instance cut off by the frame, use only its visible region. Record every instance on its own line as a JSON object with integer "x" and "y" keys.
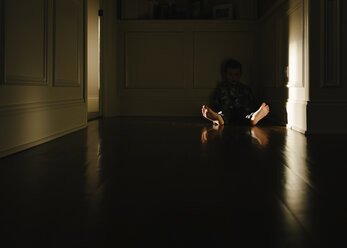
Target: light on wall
{"x": 297, "y": 66}
{"x": 292, "y": 75}
{"x": 292, "y": 70}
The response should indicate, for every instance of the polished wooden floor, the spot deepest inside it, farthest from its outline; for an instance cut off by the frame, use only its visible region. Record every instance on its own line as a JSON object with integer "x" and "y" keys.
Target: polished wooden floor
{"x": 164, "y": 182}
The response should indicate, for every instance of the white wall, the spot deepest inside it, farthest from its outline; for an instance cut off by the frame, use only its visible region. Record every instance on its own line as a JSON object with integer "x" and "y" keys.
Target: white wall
{"x": 284, "y": 62}
{"x": 298, "y": 80}
{"x": 42, "y": 72}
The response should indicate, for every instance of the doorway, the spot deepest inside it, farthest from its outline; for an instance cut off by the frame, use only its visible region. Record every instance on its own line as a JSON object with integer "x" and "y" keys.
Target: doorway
{"x": 93, "y": 59}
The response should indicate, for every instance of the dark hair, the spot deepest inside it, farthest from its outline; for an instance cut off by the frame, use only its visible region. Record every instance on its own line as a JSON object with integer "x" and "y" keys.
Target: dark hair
{"x": 231, "y": 63}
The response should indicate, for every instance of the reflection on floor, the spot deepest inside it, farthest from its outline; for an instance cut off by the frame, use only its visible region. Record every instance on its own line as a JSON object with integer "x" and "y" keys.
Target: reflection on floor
{"x": 164, "y": 182}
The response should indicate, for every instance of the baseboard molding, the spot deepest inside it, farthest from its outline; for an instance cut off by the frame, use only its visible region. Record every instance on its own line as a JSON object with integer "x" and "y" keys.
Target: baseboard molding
{"x": 325, "y": 131}
{"x": 295, "y": 128}
{"x": 37, "y": 106}
{"x": 297, "y": 115}
{"x": 20, "y": 148}
{"x": 156, "y": 105}
{"x": 22, "y": 127}
{"x": 327, "y": 117}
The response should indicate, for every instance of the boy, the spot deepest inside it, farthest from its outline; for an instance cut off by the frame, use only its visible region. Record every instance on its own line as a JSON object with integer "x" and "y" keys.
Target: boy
{"x": 234, "y": 100}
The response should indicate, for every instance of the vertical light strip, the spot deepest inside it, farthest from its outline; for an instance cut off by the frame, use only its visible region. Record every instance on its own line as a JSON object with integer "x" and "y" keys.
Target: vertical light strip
{"x": 330, "y": 43}
{"x": 45, "y": 41}
{"x": 306, "y": 51}
{"x": 2, "y": 36}
{"x": 99, "y": 37}
{"x": 297, "y": 177}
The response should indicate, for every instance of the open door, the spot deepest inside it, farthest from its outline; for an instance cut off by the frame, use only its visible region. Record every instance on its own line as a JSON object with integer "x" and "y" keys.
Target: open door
{"x": 93, "y": 58}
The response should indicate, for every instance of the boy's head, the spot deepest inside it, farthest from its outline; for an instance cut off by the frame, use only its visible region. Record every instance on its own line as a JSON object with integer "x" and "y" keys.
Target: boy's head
{"x": 232, "y": 71}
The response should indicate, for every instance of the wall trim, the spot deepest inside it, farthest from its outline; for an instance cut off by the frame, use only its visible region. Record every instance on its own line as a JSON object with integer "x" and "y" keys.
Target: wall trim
{"x": 297, "y": 114}
{"x": 325, "y": 132}
{"x": 26, "y": 81}
{"x": 29, "y": 145}
{"x": 271, "y": 11}
{"x": 36, "y": 106}
{"x": 296, "y": 101}
{"x": 297, "y": 129}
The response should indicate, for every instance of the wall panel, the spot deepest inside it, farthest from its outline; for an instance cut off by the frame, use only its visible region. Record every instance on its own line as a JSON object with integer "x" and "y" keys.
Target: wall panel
{"x": 32, "y": 110}
{"x": 67, "y": 42}
{"x": 154, "y": 60}
{"x": 330, "y": 43}
{"x": 25, "y": 53}
{"x": 328, "y": 77}
{"x": 170, "y": 68}
{"x": 212, "y": 48}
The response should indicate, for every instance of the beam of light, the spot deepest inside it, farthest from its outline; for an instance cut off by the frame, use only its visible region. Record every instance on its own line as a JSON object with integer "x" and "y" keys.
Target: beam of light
{"x": 297, "y": 182}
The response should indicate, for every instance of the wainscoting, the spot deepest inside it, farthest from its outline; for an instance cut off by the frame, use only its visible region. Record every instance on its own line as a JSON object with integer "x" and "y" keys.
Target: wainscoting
{"x": 42, "y": 71}
{"x": 169, "y": 68}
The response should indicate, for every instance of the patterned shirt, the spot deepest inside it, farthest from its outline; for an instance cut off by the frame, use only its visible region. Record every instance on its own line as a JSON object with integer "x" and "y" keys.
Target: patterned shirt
{"x": 234, "y": 102}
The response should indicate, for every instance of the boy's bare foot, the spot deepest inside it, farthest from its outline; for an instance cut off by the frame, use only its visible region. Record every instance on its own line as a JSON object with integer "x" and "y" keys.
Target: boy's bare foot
{"x": 260, "y": 113}
{"x": 211, "y": 115}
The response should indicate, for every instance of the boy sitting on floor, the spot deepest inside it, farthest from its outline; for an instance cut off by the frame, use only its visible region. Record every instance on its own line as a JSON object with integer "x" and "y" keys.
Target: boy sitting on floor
{"x": 234, "y": 100}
